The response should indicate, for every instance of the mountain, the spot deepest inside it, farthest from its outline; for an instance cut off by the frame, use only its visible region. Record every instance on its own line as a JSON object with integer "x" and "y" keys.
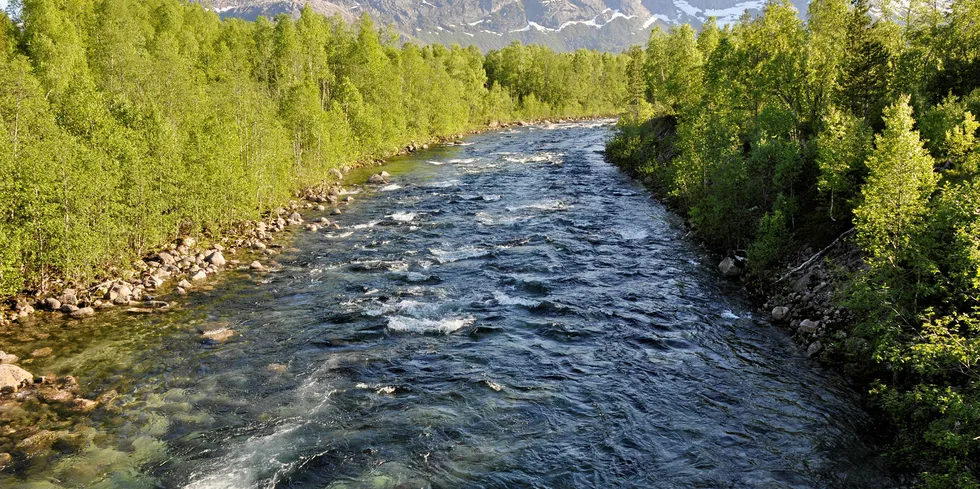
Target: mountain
{"x": 607, "y": 25}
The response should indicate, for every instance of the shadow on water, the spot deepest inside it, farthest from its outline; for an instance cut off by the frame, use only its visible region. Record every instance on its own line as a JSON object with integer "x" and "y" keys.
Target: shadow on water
{"x": 513, "y": 312}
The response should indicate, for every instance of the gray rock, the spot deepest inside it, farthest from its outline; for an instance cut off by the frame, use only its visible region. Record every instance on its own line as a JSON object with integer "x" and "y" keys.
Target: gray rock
{"x": 200, "y": 275}
{"x": 184, "y": 284}
{"x": 120, "y": 294}
{"x": 780, "y": 314}
{"x": 52, "y": 303}
{"x": 729, "y": 268}
{"x": 83, "y": 312}
{"x": 13, "y": 377}
{"x": 809, "y": 327}
{"x": 258, "y": 245}
{"x": 166, "y": 258}
{"x": 216, "y": 259}
{"x": 377, "y": 179}
{"x": 814, "y": 348}
{"x": 295, "y": 218}
{"x": 69, "y": 308}
{"x": 69, "y": 297}
{"x": 256, "y": 265}
{"x": 8, "y": 357}
{"x": 180, "y": 291}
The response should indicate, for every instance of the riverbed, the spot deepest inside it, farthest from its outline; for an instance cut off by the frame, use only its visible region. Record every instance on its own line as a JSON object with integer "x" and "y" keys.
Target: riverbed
{"x": 508, "y": 312}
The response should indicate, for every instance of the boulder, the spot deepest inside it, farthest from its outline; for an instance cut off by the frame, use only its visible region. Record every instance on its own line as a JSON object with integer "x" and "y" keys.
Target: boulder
{"x": 13, "y": 377}
{"x": 295, "y": 218}
{"x": 120, "y": 294}
{"x": 216, "y": 259}
{"x": 258, "y": 245}
{"x": 52, "y": 303}
{"x": 42, "y": 352}
{"x": 188, "y": 242}
{"x": 780, "y": 314}
{"x": 200, "y": 275}
{"x": 184, "y": 284}
{"x": 8, "y": 357}
{"x": 68, "y": 297}
{"x": 808, "y": 326}
{"x": 83, "y": 312}
{"x": 69, "y": 308}
{"x": 180, "y": 291}
{"x": 312, "y": 227}
{"x": 321, "y": 208}
{"x": 218, "y": 334}
{"x": 814, "y": 348}
{"x": 729, "y": 267}
{"x": 256, "y": 265}
{"x": 165, "y": 258}
{"x": 377, "y": 179}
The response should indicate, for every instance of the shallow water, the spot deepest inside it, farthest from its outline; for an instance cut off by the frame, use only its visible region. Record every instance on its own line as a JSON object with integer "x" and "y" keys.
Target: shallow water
{"x": 510, "y": 313}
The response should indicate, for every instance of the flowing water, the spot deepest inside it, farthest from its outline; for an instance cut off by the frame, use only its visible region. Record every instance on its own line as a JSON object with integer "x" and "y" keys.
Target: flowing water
{"x": 513, "y": 312}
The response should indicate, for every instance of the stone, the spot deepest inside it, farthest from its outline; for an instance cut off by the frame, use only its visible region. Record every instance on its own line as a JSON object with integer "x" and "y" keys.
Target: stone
{"x": 42, "y": 352}
{"x": 256, "y": 265}
{"x": 336, "y": 173}
{"x": 184, "y": 284}
{"x": 295, "y": 218}
{"x": 188, "y": 242}
{"x": 120, "y": 294}
{"x": 14, "y": 377}
{"x": 218, "y": 334}
{"x": 312, "y": 227}
{"x": 200, "y": 275}
{"x": 52, "y": 303}
{"x": 814, "y": 348}
{"x": 258, "y": 245}
{"x": 6, "y": 460}
{"x": 808, "y": 326}
{"x": 166, "y": 258}
{"x": 180, "y": 291}
{"x": 780, "y": 314}
{"x": 83, "y": 312}
{"x": 729, "y": 267}
{"x": 69, "y": 308}
{"x": 321, "y": 208}
{"x": 82, "y": 405}
{"x": 216, "y": 259}
{"x": 7, "y": 358}
{"x": 278, "y": 368}
{"x": 337, "y": 212}
{"x": 69, "y": 297}
{"x": 377, "y": 179}
{"x": 24, "y": 308}
{"x": 385, "y": 175}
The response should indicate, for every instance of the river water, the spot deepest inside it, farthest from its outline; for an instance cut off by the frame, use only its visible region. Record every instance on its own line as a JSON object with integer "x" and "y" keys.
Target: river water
{"x": 512, "y": 312}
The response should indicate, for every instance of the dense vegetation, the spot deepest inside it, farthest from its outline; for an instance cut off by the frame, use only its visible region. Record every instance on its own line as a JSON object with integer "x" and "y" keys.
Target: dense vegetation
{"x": 126, "y": 122}
{"x": 777, "y": 133}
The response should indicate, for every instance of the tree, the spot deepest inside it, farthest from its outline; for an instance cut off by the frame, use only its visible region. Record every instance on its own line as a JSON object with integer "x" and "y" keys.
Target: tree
{"x": 900, "y": 182}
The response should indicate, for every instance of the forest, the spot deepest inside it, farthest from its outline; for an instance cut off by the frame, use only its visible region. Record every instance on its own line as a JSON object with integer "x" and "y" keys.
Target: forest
{"x": 785, "y": 131}
{"x": 124, "y": 123}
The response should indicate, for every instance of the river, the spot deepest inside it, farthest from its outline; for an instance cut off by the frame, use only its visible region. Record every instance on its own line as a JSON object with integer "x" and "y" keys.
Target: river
{"x": 510, "y": 312}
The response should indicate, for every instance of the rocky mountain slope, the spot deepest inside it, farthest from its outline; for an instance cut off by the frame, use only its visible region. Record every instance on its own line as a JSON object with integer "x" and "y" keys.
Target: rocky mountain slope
{"x": 609, "y": 25}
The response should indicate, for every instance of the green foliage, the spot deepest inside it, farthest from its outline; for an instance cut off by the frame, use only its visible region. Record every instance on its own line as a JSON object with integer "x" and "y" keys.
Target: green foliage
{"x": 773, "y": 148}
{"x": 124, "y": 122}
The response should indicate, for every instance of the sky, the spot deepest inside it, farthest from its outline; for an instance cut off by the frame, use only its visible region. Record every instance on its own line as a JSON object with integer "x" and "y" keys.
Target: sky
{"x": 3, "y": 4}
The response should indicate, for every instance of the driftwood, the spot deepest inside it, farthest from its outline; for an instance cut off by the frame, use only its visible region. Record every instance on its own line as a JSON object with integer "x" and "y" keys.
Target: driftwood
{"x": 813, "y": 258}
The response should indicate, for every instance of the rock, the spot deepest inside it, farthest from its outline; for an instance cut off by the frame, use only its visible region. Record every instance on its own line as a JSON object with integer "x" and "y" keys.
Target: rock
{"x": 219, "y": 334}
{"x": 384, "y": 175}
{"x": 120, "y": 294}
{"x": 184, "y": 284}
{"x": 52, "y": 303}
{"x": 166, "y": 258}
{"x": 729, "y": 268}
{"x": 24, "y": 308}
{"x": 814, "y": 348}
{"x": 199, "y": 275}
{"x": 180, "y": 291}
{"x": 312, "y": 227}
{"x": 69, "y": 308}
{"x": 13, "y": 377}
{"x": 6, "y": 460}
{"x": 337, "y": 212}
{"x": 69, "y": 297}
{"x": 188, "y": 242}
{"x": 37, "y": 444}
{"x": 82, "y": 405}
{"x": 295, "y": 218}
{"x": 336, "y": 173}
{"x": 216, "y": 259}
{"x": 8, "y": 357}
{"x": 809, "y": 327}
{"x": 83, "y": 313}
{"x": 258, "y": 245}
{"x": 780, "y": 314}
{"x": 256, "y": 265}
{"x": 321, "y": 208}
{"x": 42, "y": 352}
{"x": 278, "y": 368}
{"x": 377, "y": 179}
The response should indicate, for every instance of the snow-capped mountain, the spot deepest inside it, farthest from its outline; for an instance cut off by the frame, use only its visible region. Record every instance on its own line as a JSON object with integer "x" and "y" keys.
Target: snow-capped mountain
{"x": 610, "y": 25}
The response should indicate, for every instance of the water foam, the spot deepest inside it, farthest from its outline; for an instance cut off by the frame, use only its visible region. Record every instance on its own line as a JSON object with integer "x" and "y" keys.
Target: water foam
{"x": 403, "y": 216}
{"x": 416, "y": 325}
{"x": 464, "y": 253}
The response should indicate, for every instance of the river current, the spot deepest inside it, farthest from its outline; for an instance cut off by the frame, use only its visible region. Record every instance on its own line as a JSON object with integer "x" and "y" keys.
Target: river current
{"x": 510, "y": 312}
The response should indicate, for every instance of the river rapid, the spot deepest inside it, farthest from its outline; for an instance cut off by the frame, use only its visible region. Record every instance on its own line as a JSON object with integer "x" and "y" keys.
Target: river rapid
{"x": 510, "y": 312}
